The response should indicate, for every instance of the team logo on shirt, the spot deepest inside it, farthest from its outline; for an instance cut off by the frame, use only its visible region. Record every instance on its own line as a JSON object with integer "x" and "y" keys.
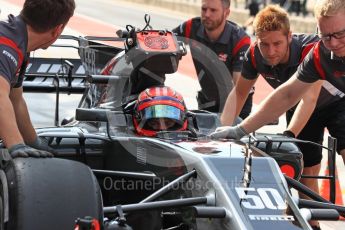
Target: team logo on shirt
{"x": 269, "y": 76}
{"x": 222, "y": 57}
{"x": 242, "y": 55}
{"x": 338, "y": 74}
{"x": 10, "y": 56}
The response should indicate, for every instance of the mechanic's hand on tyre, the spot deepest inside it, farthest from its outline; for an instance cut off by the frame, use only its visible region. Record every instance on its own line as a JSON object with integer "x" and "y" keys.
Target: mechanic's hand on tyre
{"x": 41, "y": 143}
{"x": 22, "y": 150}
{"x": 229, "y": 132}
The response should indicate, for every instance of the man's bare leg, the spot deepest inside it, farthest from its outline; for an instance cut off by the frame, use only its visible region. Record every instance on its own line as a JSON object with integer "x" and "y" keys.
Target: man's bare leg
{"x": 312, "y": 184}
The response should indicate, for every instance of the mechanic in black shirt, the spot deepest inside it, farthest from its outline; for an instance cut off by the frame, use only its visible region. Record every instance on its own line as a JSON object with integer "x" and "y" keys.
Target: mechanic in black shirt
{"x": 38, "y": 25}
{"x": 227, "y": 40}
{"x": 326, "y": 62}
{"x": 276, "y": 55}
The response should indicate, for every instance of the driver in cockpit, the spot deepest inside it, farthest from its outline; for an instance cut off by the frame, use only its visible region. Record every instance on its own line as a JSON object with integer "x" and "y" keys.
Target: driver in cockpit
{"x": 159, "y": 109}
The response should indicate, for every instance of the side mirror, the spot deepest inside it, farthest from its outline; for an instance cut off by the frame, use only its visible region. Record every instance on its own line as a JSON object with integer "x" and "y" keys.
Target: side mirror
{"x": 116, "y": 118}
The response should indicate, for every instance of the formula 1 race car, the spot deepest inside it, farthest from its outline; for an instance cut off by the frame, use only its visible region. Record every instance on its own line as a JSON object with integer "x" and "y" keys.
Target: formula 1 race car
{"x": 106, "y": 176}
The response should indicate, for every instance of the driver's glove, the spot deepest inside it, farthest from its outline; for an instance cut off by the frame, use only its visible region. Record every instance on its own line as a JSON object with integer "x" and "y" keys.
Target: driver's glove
{"x": 229, "y": 132}
{"x": 22, "y": 150}
{"x": 41, "y": 143}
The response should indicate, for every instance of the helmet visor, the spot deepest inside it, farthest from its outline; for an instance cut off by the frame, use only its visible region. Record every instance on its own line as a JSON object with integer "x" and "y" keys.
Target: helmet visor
{"x": 162, "y": 111}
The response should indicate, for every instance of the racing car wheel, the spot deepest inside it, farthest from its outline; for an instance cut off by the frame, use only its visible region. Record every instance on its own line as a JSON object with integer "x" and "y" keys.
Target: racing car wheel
{"x": 39, "y": 193}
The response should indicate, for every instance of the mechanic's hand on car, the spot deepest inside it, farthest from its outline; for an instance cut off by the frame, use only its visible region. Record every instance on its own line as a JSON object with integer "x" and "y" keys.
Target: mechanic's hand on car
{"x": 229, "y": 132}
{"x": 22, "y": 150}
{"x": 41, "y": 143}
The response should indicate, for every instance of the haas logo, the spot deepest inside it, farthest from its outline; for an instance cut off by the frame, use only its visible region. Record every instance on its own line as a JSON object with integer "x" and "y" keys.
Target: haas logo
{"x": 156, "y": 42}
{"x": 222, "y": 57}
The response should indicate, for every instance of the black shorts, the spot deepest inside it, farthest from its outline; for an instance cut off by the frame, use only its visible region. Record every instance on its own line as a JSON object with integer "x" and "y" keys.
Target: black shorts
{"x": 331, "y": 117}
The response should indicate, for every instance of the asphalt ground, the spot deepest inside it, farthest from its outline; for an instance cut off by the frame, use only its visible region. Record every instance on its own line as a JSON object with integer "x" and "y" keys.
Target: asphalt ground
{"x": 86, "y": 23}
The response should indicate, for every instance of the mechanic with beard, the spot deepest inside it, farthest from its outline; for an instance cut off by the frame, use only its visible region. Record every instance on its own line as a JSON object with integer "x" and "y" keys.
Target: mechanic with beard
{"x": 276, "y": 55}
{"x": 227, "y": 40}
{"x": 38, "y": 25}
{"x": 325, "y": 61}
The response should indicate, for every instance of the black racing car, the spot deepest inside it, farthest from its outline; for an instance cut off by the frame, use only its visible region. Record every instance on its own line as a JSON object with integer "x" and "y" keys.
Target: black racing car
{"x": 105, "y": 176}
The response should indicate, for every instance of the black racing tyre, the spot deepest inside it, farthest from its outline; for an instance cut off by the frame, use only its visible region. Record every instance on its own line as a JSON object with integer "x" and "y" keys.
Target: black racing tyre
{"x": 50, "y": 193}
